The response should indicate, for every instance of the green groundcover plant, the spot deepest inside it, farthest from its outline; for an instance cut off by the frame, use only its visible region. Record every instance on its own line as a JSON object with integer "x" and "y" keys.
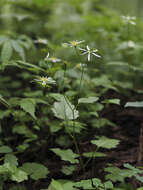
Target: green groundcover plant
{"x": 58, "y": 62}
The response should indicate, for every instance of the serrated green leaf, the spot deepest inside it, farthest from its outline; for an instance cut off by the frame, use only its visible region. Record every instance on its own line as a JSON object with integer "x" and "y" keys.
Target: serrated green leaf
{"x": 65, "y": 110}
{"x": 28, "y": 105}
{"x": 66, "y": 155}
{"x": 5, "y": 149}
{"x": 134, "y": 104}
{"x": 35, "y": 170}
{"x": 6, "y": 52}
{"x": 11, "y": 158}
{"x": 105, "y": 142}
{"x": 87, "y": 184}
{"x": 19, "y": 176}
{"x": 117, "y": 174}
{"x": 88, "y": 100}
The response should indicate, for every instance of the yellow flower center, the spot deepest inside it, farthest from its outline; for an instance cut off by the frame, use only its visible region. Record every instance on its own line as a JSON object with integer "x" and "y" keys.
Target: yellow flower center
{"x": 74, "y": 43}
{"x": 52, "y": 59}
{"x": 43, "y": 79}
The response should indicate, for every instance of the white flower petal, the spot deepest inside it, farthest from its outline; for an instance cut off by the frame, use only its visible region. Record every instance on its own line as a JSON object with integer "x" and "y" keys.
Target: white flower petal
{"x": 88, "y": 56}
{"x": 96, "y": 54}
{"x": 87, "y": 47}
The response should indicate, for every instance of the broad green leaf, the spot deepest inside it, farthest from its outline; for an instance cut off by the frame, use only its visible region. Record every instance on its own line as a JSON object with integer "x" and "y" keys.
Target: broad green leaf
{"x": 5, "y": 149}
{"x": 88, "y": 100}
{"x": 108, "y": 185}
{"x": 55, "y": 185}
{"x": 117, "y": 174}
{"x": 28, "y": 105}
{"x": 87, "y": 184}
{"x": 65, "y": 110}
{"x": 68, "y": 170}
{"x": 35, "y": 170}
{"x": 66, "y": 155}
{"x": 93, "y": 154}
{"x": 6, "y": 52}
{"x": 18, "y": 48}
{"x": 112, "y": 101}
{"x": 11, "y": 158}
{"x": 134, "y": 104}
{"x": 19, "y": 176}
{"x": 105, "y": 142}
{"x": 141, "y": 188}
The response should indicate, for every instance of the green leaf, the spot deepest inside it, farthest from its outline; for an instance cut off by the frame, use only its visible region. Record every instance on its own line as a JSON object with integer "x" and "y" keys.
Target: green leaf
{"x": 11, "y": 158}
{"x": 88, "y": 100}
{"x": 117, "y": 174}
{"x": 5, "y": 149}
{"x": 93, "y": 154}
{"x": 55, "y": 185}
{"x": 141, "y": 188}
{"x": 108, "y": 185}
{"x": 28, "y": 105}
{"x": 19, "y": 176}
{"x": 105, "y": 142}
{"x": 18, "y": 49}
{"x": 35, "y": 170}
{"x": 68, "y": 170}
{"x": 87, "y": 184}
{"x": 112, "y": 101}
{"x": 66, "y": 155}
{"x": 65, "y": 110}
{"x": 3, "y": 101}
{"x": 134, "y": 104}
{"x": 6, "y": 52}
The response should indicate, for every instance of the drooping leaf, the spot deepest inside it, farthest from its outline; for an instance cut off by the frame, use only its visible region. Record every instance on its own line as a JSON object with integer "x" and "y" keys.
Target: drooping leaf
{"x": 65, "y": 110}
{"x": 88, "y": 100}
{"x": 18, "y": 48}
{"x": 112, "y": 101}
{"x": 105, "y": 142}
{"x": 134, "y": 104}
{"x": 5, "y": 149}
{"x": 6, "y": 52}
{"x": 28, "y": 105}
{"x": 66, "y": 155}
{"x": 35, "y": 170}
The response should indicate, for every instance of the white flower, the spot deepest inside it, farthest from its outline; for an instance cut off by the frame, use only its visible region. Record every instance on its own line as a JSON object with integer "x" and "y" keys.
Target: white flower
{"x": 41, "y": 41}
{"x": 52, "y": 59}
{"x": 88, "y": 51}
{"x": 74, "y": 43}
{"x": 44, "y": 81}
{"x": 129, "y": 20}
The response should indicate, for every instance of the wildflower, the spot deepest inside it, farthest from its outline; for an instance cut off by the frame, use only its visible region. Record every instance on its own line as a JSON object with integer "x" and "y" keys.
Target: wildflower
{"x": 45, "y": 81}
{"x": 74, "y": 43}
{"x": 41, "y": 41}
{"x": 129, "y": 20}
{"x": 88, "y": 51}
{"x": 52, "y": 59}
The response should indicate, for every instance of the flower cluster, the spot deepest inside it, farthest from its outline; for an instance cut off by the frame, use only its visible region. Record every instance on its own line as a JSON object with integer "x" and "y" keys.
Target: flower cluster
{"x": 129, "y": 20}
